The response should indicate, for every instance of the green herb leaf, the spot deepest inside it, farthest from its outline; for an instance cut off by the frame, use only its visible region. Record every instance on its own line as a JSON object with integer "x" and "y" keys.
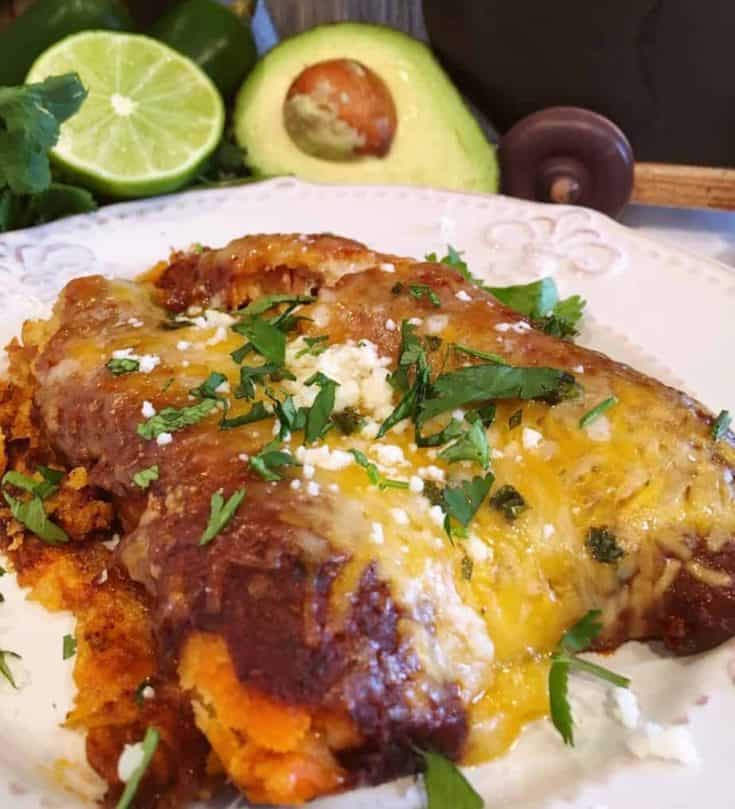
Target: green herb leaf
{"x": 314, "y": 346}
{"x": 515, "y": 420}
{"x": 564, "y": 319}
{"x": 462, "y": 502}
{"x": 721, "y": 425}
{"x": 208, "y": 388}
{"x": 30, "y": 120}
{"x": 484, "y": 414}
{"x": 348, "y": 421}
{"x": 597, "y": 411}
{"x": 471, "y": 446}
{"x": 68, "y": 647}
{"x": 482, "y": 355}
{"x": 317, "y": 417}
{"x": 476, "y": 383}
{"x": 446, "y": 786}
{"x": 257, "y": 412}
{"x": 289, "y": 416}
{"x": 265, "y": 338}
{"x": 33, "y": 516}
{"x": 420, "y": 291}
{"x": 433, "y": 492}
{"x": 122, "y": 365}
{"x": 374, "y": 474}
{"x": 150, "y": 743}
{"x": 28, "y": 210}
{"x": 271, "y": 458}
{"x": 145, "y": 477}
{"x": 575, "y": 640}
{"x": 172, "y": 419}
{"x": 258, "y": 374}
{"x": 221, "y": 511}
{"x": 508, "y": 500}
{"x": 5, "y": 669}
{"x": 410, "y": 352}
{"x": 261, "y": 305}
{"x": 453, "y": 430}
{"x": 41, "y": 489}
{"x": 603, "y": 545}
{"x": 410, "y": 403}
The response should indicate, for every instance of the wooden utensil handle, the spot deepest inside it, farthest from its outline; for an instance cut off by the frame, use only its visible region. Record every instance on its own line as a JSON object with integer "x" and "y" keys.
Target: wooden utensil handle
{"x": 684, "y": 186}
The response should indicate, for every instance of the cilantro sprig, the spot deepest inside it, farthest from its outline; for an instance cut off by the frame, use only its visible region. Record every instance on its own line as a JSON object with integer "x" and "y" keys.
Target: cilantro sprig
{"x": 172, "y": 419}
{"x": 318, "y": 420}
{"x": 721, "y": 425}
{"x": 597, "y": 411}
{"x": 118, "y": 366}
{"x": 5, "y": 668}
{"x": 460, "y": 503}
{"x": 564, "y": 660}
{"x": 603, "y": 545}
{"x": 446, "y": 786}
{"x": 374, "y": 474}
{"x": 472, "y": 445}
{"x": 144, "y": 477}
{"x": 32, "y": 513}
{"x": 271, "y": 458}
{"x": 221, "y": 511}
{"x": 68, "y": 647}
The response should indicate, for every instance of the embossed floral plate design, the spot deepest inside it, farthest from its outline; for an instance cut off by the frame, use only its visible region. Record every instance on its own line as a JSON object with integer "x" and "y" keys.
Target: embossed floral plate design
{"x": 666, "y": 312}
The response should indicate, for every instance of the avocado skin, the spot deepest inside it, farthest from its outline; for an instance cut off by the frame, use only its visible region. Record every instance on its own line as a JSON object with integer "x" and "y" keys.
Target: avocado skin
{"x": 662, "y": 71}
{"x": 438, "y": 141}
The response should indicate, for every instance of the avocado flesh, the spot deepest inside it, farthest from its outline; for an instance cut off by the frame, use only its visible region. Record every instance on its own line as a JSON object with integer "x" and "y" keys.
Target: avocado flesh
{"x": 437, "y": 143}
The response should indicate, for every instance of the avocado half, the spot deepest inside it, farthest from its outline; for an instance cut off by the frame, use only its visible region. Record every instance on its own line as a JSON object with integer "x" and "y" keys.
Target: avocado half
{"x": 437, "y": 142}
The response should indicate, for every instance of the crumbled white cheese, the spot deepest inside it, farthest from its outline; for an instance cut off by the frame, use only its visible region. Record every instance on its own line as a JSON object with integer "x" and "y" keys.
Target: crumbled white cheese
{"x": 432, "y": 473}
{"x": 389, "y": 454}
{"x": 148, "y": 362}
{"x": 135, "y": 322}
{"x": 308, "y": 471}
{"x": 386, "y": 266}
{"x": 669, "y": 742}
{"x": 111, "y": 544}
{"x": 313, "y": 488}
{"x": 148, "y": 692}
{"x": 462, "y": 296}
{"x": 549, "y": 530}
{"x": 436, "y": 324}
{"x": 223, "y": 387}
{"x": 244, "y": 457}
{"x": 183, "y": 345}
{"x": 578, "y": 369}
{"x": 295, "y": 484}
{"x": 436, "y": 515}
{"x": 477, "y": 549}
{"x": 624, "y": 707}
{"x": 390, "y": 324}
{"x": 358, "y": 368}
{"x": 322, "y": 457}
{"x": 458, "y": 414}
{"x": 333, "y": 487}
{"x": 216, "y": 319}
{"x": 531, "y": 438}
{"x": 521, "y": 327}
{"x": 415, "y": 484}
{"x": 219, "y": 336}
{"x": 496, "y": 453}
{"x": 502, "y": 327}
{"x": 376, "y": 533}
{"x": 163, "y": 439}
{"x": 147, "y": 410}
{"x": 415, "y": 321}
{"x": 400, "y": 516}
{"x": 123, "y": 354}
{"x": 130, "y": 760}
{"x": 102, "y": 578}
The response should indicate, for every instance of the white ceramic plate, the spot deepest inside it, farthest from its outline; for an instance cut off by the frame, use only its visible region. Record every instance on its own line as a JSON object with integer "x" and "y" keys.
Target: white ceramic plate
{"x": 664, "y": 311}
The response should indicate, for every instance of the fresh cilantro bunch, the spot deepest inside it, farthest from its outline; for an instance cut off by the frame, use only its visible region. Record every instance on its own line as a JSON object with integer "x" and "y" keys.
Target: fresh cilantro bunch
{"x": 30, "y": 120}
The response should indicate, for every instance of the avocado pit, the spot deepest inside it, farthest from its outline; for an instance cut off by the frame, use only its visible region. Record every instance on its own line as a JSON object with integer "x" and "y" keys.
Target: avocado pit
{"x": 340, "y": 110}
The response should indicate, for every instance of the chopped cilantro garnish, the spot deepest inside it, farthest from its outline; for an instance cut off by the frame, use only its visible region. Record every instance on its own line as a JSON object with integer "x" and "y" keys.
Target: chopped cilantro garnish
{"x": 470, "y": 446}
{"x": 208, "y": 388}
{"x": 564, "y": 659}
{"x": 68, "y": 647}
{"x": 433, "y": 492}
{"x": 31, "y": 513}
{"x": 252, "y": 375}
{"x": 144, "y": 477}
{"x": 446, "y": 787}
{"x": 468, "y": 567}
{"x": 314, "y": 346}
{"x": 453, "y": 430}
{"x": 475, "y": 352}
{"x": 374, "y": 474}
{"x": 5, "y": 669}
{"x": 348, "y": 421}
{"x": 257, "y": 412}
{"x": 410, "y": 353}
{"x": 221, "y": 511}
{"x": 171, "y": 419}
{"x": 271, "y": 458}
{"x": 509, "y": 502}
{"x": 462, "y": 502}
{"x": 476, "y": 383}
{"x": 149, "y": 745}
{"x": 265, "y": 338}
{"x": 597, "y": 411}
{"x": 122, "y": 365}
{"x": 603, "y": 545}
{"x": 484, "y": 414}
{"x": 317, "y": 417}
{"x": 721, "y": 425}
{"x": 261, "y": 305}
{"x": 420, "y": 291}
{"x": 515, "y": 419}
{"x": 289, "y": 416}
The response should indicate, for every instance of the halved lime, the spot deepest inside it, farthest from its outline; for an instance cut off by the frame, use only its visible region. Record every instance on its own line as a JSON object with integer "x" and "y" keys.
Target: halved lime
{"x": 151, "y": 118}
